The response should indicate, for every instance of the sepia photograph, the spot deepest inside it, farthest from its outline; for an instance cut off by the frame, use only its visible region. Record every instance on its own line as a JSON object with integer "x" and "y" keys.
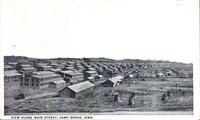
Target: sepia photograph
{"x": 99, "y": 59}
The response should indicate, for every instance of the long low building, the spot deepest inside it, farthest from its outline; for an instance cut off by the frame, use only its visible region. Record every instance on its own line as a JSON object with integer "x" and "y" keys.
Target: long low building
{"x": 40, "y": 79}
{"x": 45, "y": 68}
{"x": 90, "y": 74}
{"x": 72, "y": 76}
{"x": 77, "y": 90}
{"x": 112, "y": 82}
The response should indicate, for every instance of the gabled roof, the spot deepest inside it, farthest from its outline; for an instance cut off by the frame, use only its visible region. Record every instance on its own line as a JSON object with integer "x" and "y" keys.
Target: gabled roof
{"x": 12, "y": 63}
{"x": 44, "y": 74}
{"x": 42, "y": 64}
{"x": 70, "y": 72}
{"x": 81, "y": 86}
{"x": 11, "y": 73}
{"x": 29, "y": 68}
{"x": 26, "y": 65}
{"x": 91, "y": 72}
{"x": 55, "y": 70}
{"x": 46, "y": 66}
{"x": 69, "y": 67}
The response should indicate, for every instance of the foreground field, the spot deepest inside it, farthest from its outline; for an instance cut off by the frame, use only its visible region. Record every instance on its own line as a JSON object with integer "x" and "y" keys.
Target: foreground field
{"x": 148, "y": 98}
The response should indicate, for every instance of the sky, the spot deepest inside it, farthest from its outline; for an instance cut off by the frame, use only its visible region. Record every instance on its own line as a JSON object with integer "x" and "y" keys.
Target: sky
{"x": 118, "y": 29}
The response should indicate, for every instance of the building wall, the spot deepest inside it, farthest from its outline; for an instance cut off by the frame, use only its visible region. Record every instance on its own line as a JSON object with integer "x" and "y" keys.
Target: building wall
{"x": 43, "y": 83}
{"x": 84, "y": 92}
{"x": 71, "y": 94}
{"x": 66, "y": 93}
{"x": 36, "y": 83}
{"x": 75, "y": 78}
{"x": 30, "y": 82}
{"x": 12, "y": 80}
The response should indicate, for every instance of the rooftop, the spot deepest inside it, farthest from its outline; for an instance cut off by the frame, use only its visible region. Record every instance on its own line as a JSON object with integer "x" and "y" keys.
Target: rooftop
{"x": 43, "y": 72}
{"x": 11, "y": 73}
{"x": 55, "y": 70}
{"x": 46, "y": 66}
{"x": 26, "y": 65}
{"x": 46, "y": 75}
{"x": 70, "y": 72}
{"x": 42, "y": 64}
{"x": 81, "y": 86}
{"x": 91, "y": 72}
{"x": 90, "y": 78}
{"x": 29, "y": 68}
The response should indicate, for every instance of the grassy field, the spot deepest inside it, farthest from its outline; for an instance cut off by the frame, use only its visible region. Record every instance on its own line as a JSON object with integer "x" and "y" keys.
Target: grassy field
{"x": 148, "y": 98}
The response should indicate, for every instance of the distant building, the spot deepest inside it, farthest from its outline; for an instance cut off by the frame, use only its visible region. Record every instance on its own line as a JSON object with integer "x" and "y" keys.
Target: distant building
{"x": 69, "y": 68}
{"x": 90, "y": 75}
{"x": 57, "y": 84}
{"x": 12, "y": 78}
{"x": 112, "y": 82}
{"x": 40, "y": 79}
{"x": 8, "y": 68}
{"x": 55, "y": 70}
{"x": 57, "y": 66}
{"x": 89, "y": 68}
{"x": 26, "y": 69}
{"x": 72, "y": 76}
{"x": 13, "y": 64}
{"x": 45, "y": 68}
{"x": 77, "y": 90}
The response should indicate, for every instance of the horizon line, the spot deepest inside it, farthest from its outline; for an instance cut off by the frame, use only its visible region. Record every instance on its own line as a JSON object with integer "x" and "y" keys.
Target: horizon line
{"x": 163, "y": 60}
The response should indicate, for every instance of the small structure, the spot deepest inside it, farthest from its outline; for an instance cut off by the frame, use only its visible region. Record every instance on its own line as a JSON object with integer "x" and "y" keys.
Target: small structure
{"x": 77, "y": 90}
{"x": 112, "y": 82}
{"x": 57, "y": 84}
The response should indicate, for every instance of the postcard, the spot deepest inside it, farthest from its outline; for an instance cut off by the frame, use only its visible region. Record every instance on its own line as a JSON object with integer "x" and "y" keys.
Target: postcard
{"x": 100, "y": 59}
